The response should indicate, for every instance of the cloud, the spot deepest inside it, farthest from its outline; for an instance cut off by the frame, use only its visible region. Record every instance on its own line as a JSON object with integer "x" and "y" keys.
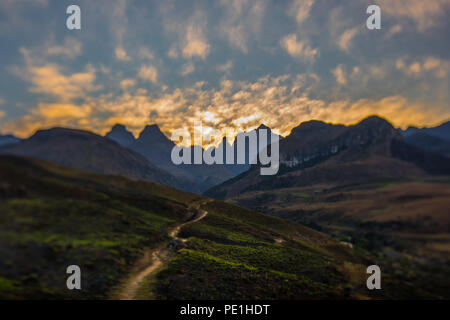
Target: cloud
{"x": 345, "y": 40}
{"x": 16, "y": 18}
{"x": 2, "y": 113}
{"x": 340, "y": 74}
{"x": 226, "y": 67}
{"x": 121, "y": 54}
{"x": 149, "y": 73}
{"x": 437, "y": 67}
{"x": 173, "y": 52}
{"x": 298, "y": 49}
{"x": 195, "y": 43}
{"x": 397, "y": 109}
{"x": 440, "y": 68}
{"x": 187, "y": 69}
{"x": 70, "y": 49}
{"x": 242, "y": 21}
{"x": 10, "y": 4}
{"x": 424, "y": 14}
{"x": 234, "y": 42}
{"x": 127, "y": 83}
{"x": 300, "y": 9}
{"x": 280, "y": 102}
{"x": 117, "y": 18}
{"x": 48, "y": 79}
{"x": 63, "y": 111}
{"x": 50, "y": 115}
{"x": 146, "y": 53}
{"x": 396, "y": 29}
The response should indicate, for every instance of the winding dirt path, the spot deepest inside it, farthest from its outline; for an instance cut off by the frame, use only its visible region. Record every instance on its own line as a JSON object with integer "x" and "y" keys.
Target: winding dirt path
{"x": 134, "y": 282}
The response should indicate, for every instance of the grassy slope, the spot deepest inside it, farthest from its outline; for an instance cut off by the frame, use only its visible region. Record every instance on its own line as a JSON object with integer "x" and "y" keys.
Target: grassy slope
{"x": 236, "y": 253}
{"x": 52, "y": 217}
{"x": 403, "y": 226}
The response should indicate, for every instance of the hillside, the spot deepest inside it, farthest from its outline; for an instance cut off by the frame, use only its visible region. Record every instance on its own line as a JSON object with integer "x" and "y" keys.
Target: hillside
{"x": 405, "y": 225}
{"x": 319, "y": 153}
{"x": 53, "y": 217}
{"x": 366, "y": 186}
{"x": 429, "y": 142}
{"x": 87, "y": 151}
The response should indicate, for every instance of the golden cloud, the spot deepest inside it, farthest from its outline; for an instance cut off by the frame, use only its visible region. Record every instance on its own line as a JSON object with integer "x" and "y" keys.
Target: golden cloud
{"x": 195, "y": 43}
{"x": 121, "y": 54}
{"x": 425, "y": 14}
{"x": 48, "y": 79}
{"x": 149, "y": 73}
{"x": 51, "y": 115}
{"x": 279, "y": 102}
{"x": 298, "y": 49}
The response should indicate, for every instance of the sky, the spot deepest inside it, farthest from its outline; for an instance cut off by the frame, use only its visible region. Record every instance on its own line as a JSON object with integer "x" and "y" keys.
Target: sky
{"x": 231, "y": 64}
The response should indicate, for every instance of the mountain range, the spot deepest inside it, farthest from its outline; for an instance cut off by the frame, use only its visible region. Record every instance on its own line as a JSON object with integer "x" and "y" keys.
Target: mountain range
{"x": 344, "y": 197}
{"x": 88, "y": 151}
{"x": 383, "y": 194}
{"x": 322, "y": 153}
{"x": 157, "y": 148}
{"x": 442, "y": 131}
{"x": 307, "y": 146}
{"x": 8, "y": 139}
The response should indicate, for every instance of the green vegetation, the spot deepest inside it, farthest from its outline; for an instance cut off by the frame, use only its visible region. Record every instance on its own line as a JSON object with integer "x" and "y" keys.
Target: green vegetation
{"x": 52, "y": 217}
{"x": 402, "y": 226}
{"x": 239, "y": 254}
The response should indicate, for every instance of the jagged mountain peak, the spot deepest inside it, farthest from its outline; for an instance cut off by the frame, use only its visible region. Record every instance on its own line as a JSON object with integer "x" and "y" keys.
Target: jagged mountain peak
{"x": 121, "y": 135}
{"x": 119, "y": 126}
{"x": 375, "y": 120}
{"x": 151, "y": 131}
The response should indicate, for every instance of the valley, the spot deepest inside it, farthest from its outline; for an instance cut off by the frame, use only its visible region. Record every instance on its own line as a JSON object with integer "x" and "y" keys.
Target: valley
{"x": 53, "y": 216}
{"x": 354, "y": 196}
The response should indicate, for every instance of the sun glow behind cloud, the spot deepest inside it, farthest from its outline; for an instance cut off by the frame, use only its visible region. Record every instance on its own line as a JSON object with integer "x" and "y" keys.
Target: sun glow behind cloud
{"x": 255, "y": 62}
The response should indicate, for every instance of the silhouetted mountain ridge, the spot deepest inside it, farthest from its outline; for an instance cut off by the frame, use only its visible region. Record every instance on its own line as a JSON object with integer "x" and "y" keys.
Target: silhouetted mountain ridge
{"x": 8, "y": 139}
{"x": 321, "y": 153}
{"x": 121, "y": 135}
{"x": 88, "y": 151}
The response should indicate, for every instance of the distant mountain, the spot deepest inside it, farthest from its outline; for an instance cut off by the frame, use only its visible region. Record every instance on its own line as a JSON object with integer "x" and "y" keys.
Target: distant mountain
{"x": 88, "y": 151}
{"x": 435, "y": 139}
{"x": 8, "y": 139}
{"x": 442, "y": 131}
{"x": 249, "y": 154}
{"x": 321, "y": 153}
{"x": 429, "y": 142}
{"x": 153, "y": 144}
{"x": 121, "y": 135}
